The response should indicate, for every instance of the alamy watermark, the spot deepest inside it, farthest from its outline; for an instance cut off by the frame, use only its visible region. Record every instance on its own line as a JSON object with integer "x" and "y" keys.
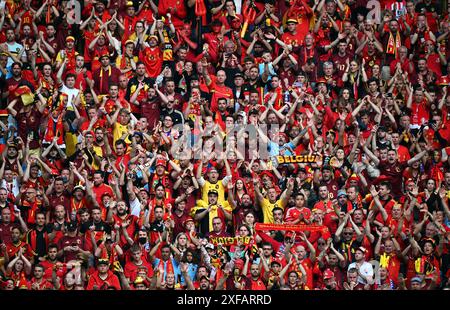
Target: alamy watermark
{"x": 73, "y": 15}
{"x": 244, "y": 141}
{"x": 74, "y": 11}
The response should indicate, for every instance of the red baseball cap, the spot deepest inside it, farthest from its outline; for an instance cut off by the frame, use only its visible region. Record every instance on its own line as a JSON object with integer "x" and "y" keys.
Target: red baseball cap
{"x": 188, "y": 219}
{"x": 266, "y": 173}
{"x": 328, "y": 274}
{"x": 380, "y": 179}
{"x": 104, "y": 54}
{"x": 409, "y": 180}
{"x": 276, "y": 261}
{"x": 239, "y": 263}
{"x": 161, "y": 162}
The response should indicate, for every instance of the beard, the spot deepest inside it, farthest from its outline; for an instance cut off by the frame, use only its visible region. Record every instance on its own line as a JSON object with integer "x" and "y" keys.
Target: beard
{"x": 11, "y": 156}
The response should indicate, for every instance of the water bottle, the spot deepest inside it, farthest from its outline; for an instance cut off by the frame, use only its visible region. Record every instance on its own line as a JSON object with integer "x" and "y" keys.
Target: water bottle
{"x": 287, "y": 96}
{"x": 73, "y": 216}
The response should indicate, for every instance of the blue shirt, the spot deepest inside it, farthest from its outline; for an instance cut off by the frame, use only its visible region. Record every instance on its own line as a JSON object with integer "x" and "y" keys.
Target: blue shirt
{"x": 274, "y": 148}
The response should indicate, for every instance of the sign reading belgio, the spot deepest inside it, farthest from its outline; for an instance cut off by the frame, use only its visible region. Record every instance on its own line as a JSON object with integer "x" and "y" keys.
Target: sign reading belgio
{"x": 298, "y": 159}
{"x": 227, "y": 241}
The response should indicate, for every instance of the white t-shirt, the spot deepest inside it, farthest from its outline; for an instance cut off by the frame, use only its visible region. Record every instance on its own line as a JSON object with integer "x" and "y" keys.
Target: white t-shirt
{"x": 71, "y": 93}
{"x": 11, "y": 187}
{"x": 135, "y": 207}
{"x": 13, "y": 48}
{"x": 366, "y": 270}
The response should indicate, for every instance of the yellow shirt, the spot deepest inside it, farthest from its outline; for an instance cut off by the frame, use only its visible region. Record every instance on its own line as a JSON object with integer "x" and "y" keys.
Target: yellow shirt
{"x": 60, "y": 57}
{"x": 119, "y": 61}
{"x": 218, "y": 187}
{"x": 99, "y": 151}
{"x": 133, "y": 37}
{"x": 268, "y": 207}
{"x": 214, "y": 212}
{"x": 118, "y": 132}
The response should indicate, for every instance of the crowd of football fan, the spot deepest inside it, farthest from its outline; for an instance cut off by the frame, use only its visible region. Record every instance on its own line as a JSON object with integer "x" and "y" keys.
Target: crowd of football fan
{"x": 231, "y": 144}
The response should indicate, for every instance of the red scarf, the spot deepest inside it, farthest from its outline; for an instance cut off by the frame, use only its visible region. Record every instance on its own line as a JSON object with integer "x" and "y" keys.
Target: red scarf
{"x": 393, "y": 45}
{"x": 32, "y": 239}
{"x": 77, "y": 206}
{"x": 278, "y": 101}
{"x": 55, "y": 129}
{"x": 31, "y": 212}
{"x": 169, "y": 266}
{"x": 48, "y": 15}
{"x": 71, "y": 64}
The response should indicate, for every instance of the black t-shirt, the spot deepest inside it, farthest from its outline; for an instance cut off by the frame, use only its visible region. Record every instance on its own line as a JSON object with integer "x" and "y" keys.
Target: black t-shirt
{"x": 41, "y": 246}
{"x": 348, "y": 249}
{"x": 157, "y": 226}
{"x": 259, "y": 83}
{"x": 100, "y": 226}
{"x": 177, "y": 116}
{"x": 55, "y": 226}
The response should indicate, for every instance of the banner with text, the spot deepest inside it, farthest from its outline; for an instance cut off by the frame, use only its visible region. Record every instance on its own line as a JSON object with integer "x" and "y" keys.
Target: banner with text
{"x": 261, "y": 227}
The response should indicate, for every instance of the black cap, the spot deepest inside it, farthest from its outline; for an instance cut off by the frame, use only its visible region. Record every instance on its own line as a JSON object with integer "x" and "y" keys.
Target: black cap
{"x": 327, "y": 167}
{"x": 239, "y": 74}
{"x": 301, "y": 169}
{"x": 72, "y": 226}
{"x": 246, "y": 174}
{"x": 253, "y": 111}
{"x": 216, "y": 22}
{"x": 204, "y": 277}
{"x": 213, "y": 191}
{"x": 103, "y": 262}
{"x": 138, "y": 133}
